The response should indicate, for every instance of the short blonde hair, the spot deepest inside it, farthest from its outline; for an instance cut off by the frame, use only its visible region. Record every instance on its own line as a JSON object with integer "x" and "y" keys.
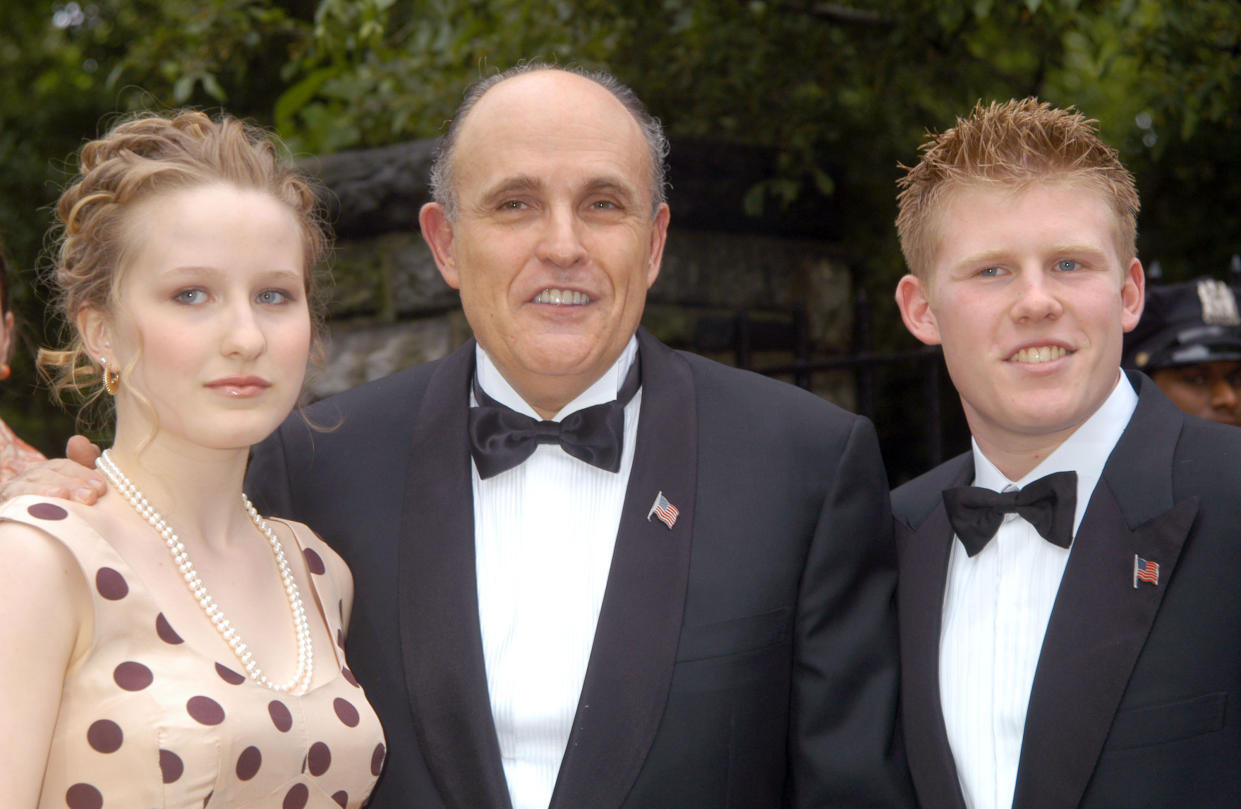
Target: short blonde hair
{"x": 140, "y": 158}
{"x": 1013, "y": 144}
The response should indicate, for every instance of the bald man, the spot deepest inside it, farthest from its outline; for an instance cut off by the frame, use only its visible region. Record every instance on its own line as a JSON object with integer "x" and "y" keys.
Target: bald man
{"x": 591, "y": 571}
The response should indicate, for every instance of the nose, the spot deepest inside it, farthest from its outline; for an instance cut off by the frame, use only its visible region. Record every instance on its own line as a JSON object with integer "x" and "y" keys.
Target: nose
{"x": 560, "y": 243}
{"x": 1223, "y": 395}
{"x": 1036, "y": 297}
{"x": 243, "y": 333}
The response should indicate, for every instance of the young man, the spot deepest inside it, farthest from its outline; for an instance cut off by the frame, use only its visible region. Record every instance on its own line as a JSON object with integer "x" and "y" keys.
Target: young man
{"x": 1073, "y": 642}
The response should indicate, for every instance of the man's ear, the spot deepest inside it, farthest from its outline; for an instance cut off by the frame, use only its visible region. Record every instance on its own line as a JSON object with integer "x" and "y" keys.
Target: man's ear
{"x": 1132, "y": 295}
{"x": 659, "y": 237}
{"x": 96, "y": 332}
{"x": 437, "y": 231}
{"x": 915, "y": 306}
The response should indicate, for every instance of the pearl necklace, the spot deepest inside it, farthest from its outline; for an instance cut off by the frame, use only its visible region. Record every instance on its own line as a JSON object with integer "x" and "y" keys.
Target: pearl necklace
{"x": 181, "y": 558}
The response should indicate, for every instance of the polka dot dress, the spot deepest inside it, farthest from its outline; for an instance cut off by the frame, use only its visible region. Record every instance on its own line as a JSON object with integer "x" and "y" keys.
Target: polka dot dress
{"x": 146, "y": 721}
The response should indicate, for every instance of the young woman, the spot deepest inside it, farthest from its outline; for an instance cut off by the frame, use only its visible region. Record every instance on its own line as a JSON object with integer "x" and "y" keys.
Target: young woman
{"x": 168, "y": 646}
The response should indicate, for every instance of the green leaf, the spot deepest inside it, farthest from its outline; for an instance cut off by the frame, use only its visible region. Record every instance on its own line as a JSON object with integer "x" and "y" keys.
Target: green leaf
{"x": 183, "y": 87}
{"x": 754, "y": 200}
{"x": 296, "y": 97}
{"x": 823, "y": 182}
{"x": 213, "y": 87}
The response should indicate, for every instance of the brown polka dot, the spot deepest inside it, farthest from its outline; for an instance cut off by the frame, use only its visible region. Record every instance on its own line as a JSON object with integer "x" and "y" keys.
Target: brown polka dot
{"x": 104, "y": 736}
{"x": 341, "y": 798}
{"x": 83, "y": 796}
{"x": 228, "y": 675}
{"x": 207, "y": 799}
{"x": 280, "y": 716}
{"x": 47, "y": 511}
{"x": 345, "y": 710}
{"x": 204, "y": 710}
{"x": 377, "y": 759}
{"x": 170, "y": 766}
{"x": 314, "y": 562}
{"x": 248, "y": 763}
{"x": 349, "y": 678}
{"x": 340, "y": 638}
{"x": 165, "y": 631}
{"x": 319, "y": 758}
{"x": 110, "y": 584}
{"x": 132, "y": 676}
{"x": 340, "y": 609}
{"x": 296, "y": 797}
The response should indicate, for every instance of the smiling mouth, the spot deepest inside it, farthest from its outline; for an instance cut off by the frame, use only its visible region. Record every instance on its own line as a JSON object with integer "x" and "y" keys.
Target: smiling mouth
{"x": 562, "y": 297}
{"x": 1038, "y": 354}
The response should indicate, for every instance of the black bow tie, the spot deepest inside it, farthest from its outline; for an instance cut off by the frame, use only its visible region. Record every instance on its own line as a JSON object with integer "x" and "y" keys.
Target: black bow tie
{"x": 501, "y": 438}
{"x": 1048, "y": 504}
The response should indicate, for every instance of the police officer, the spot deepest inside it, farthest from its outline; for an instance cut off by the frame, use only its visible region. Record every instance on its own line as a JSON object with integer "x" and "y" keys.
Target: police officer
{"x": 1189, "y": 342}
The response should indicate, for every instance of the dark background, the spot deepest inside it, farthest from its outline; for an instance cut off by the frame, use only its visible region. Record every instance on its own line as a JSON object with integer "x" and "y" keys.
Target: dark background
{"x": 842, "y": 92}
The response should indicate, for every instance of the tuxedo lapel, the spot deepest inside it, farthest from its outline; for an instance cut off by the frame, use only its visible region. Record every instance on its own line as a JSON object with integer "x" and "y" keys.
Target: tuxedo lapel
{"x": 440, "y": 633}
{"x": 923, "y": 554}
{"x": 634, "y": 650}
{"x": 1100, "y": 620}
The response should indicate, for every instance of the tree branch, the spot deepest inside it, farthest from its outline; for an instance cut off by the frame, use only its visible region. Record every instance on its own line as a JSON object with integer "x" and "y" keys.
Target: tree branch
{"x": 837, "y": 13}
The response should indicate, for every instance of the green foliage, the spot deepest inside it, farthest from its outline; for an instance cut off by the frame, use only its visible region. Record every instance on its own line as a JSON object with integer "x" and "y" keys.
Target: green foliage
{"x": 842, "y": 90}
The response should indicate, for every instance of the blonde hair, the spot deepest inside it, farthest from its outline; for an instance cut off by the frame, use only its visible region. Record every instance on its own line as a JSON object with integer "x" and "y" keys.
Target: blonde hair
{"x": 1013, "y": 144}
{"x": 140, "y": 158}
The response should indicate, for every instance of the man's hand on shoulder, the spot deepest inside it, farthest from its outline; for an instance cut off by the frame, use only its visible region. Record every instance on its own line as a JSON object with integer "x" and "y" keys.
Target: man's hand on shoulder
{"x": 72, "y": 477}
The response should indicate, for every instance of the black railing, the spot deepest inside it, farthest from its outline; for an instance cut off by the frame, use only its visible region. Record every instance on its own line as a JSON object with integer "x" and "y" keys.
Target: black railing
{"x": 759, "y": 337}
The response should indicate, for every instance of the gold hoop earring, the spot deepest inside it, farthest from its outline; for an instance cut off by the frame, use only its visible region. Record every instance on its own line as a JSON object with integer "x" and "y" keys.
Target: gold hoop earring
{"x": 111, "y": 378}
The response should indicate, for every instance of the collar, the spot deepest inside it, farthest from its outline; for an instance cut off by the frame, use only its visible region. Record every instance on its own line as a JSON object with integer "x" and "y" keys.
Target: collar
{"x": 1085, "y": 451}
{"x": 603, "y": 390}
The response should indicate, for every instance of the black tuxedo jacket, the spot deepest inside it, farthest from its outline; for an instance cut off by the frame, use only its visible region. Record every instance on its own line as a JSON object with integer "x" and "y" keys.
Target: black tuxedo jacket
{"x": 1137, "y": 694}
{"x": 744, "y": 658}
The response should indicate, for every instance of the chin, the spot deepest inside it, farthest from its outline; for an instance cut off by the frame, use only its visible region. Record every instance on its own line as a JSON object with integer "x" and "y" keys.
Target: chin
{"x": 241, "y": 436}
{"x": 1047, "y": 423}
{"x": 562, "y": 355}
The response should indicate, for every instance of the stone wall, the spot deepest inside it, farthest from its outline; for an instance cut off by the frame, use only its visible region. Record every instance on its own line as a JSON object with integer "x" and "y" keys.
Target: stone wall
{"x": 389, "y": 308}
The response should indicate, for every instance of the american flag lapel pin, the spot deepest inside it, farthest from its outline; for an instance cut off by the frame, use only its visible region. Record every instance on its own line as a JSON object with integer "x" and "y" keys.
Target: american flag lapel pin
{"x": 665, "y": 511}
{"x": 1145, "y": 570}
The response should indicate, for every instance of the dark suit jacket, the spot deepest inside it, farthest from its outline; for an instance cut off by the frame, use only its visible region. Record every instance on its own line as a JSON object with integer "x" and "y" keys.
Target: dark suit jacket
{"x": 744, "y": 658}
{"x": 1137, "y": 694}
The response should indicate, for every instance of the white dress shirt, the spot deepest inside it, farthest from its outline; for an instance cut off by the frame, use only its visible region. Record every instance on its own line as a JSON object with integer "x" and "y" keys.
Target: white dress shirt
{"x": 543, "y": 534}
{"x": 996, "y": 608}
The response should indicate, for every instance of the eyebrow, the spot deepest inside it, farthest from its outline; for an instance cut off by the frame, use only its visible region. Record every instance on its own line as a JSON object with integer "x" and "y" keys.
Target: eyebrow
{"x": 524, "y": 183}
{"x": 216, "y": 272}
{"x": 1079, "y": 250}
{"x": 511, "y": 185}
{"x": 611, "y": 185}
{"x": 996, "y": 256}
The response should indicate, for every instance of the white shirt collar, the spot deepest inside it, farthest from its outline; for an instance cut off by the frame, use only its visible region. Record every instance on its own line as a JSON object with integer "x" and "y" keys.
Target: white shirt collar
{"x": 1085, "y": 451}
{"x": 603, "y": 390}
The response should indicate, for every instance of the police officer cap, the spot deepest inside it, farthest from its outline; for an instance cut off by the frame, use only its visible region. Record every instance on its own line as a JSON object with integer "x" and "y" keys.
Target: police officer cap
{"x": 1184, "y": 324}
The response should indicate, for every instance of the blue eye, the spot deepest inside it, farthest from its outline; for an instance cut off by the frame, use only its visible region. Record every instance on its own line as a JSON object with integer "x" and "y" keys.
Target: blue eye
{"x": 989, "y": 272}
{"x": 1066, "y": 265}
{"x": 190, "y": 296}
{"x": 272, "y": 297}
